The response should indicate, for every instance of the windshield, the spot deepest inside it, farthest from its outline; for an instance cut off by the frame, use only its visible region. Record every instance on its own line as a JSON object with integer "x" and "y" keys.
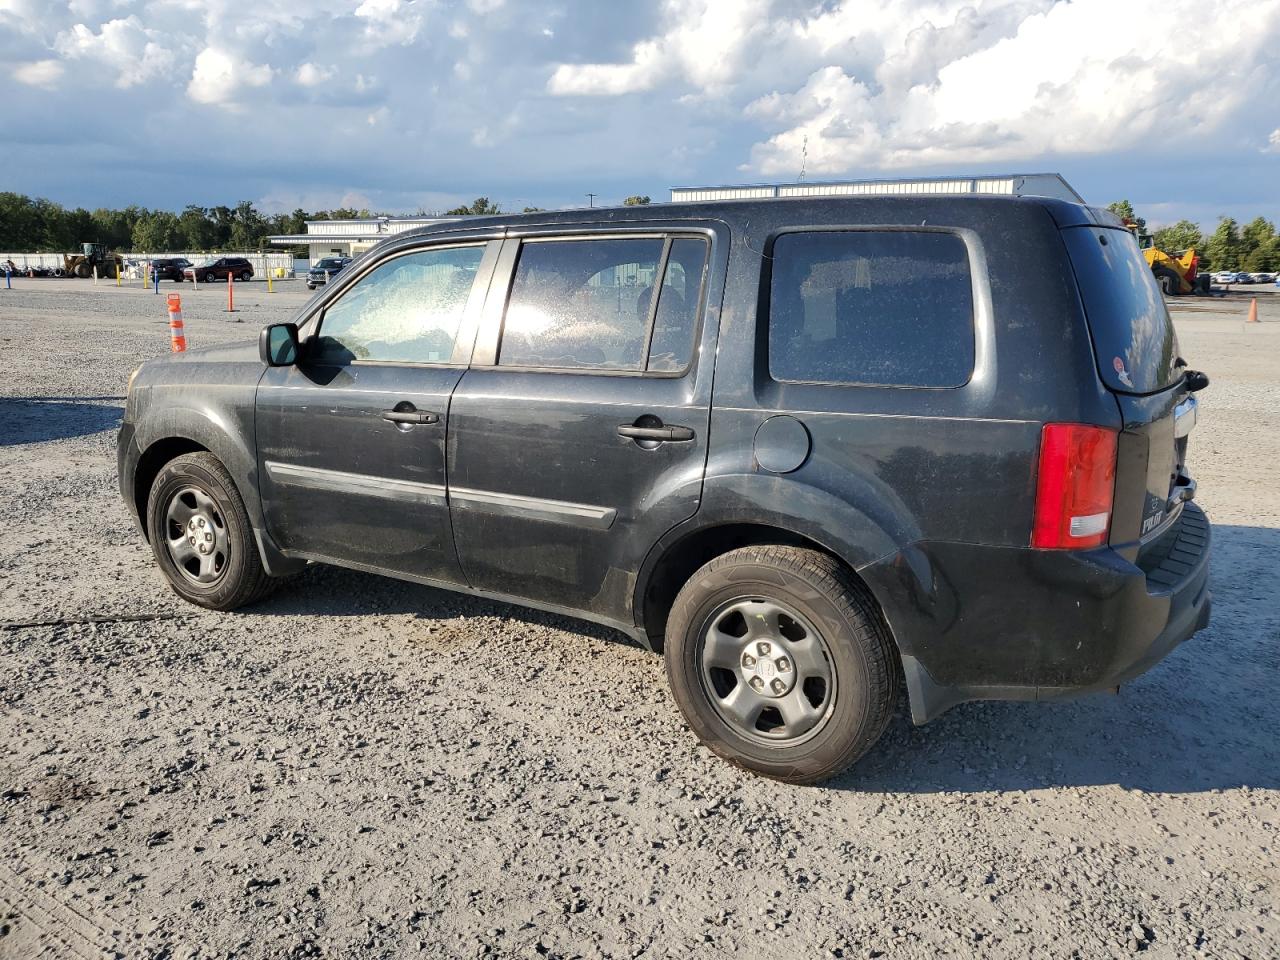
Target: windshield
{"x": 330, "y": 264}
{"x": 1133, "y": 336}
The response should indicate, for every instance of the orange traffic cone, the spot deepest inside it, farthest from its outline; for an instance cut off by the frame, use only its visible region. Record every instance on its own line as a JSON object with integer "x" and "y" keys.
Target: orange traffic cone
{"x": 177, "y": 337}
{"x": 1253, "y": 311}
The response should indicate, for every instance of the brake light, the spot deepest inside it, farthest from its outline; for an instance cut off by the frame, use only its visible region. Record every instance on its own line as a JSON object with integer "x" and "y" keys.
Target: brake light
{"x": 1074, "y": 487}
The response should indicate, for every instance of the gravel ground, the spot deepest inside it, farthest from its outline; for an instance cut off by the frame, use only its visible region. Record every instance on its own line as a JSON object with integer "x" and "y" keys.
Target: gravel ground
{"x": 365, "y": 768}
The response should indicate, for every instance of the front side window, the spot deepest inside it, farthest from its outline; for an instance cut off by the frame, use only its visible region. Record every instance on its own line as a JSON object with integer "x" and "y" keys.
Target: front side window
{"x": 407, "y": 309}
{"x": 884, "y": 308}
{"x": 589, "y": 304}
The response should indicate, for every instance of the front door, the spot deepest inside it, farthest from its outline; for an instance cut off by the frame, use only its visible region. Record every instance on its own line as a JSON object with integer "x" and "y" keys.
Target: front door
{"x": 579, "y": 435}
{"x": 351, "y": 440}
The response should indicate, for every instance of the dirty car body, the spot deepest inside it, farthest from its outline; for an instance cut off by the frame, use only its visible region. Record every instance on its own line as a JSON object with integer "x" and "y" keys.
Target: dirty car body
{"x": 598, "y": 482}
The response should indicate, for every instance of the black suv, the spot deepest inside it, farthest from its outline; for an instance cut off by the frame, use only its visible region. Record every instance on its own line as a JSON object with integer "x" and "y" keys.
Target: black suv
{"x": 214, "y": 270}
{"x": 806, "y": 448}
{"x": 170, "y": 268}
{"x": 325, "y": 270}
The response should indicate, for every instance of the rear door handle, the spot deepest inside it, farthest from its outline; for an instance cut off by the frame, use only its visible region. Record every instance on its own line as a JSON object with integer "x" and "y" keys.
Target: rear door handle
{"x": 410, "y": 416}
{"x": 660, "y": 434}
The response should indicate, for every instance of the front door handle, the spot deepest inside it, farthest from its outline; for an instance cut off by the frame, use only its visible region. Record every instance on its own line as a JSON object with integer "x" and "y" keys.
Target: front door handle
{"x": 410, "y": 416}
{"x": 659, "y": 433}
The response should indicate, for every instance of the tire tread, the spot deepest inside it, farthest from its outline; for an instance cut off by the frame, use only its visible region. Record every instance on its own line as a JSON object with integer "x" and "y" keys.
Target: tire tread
{"x": 869, "y": 634}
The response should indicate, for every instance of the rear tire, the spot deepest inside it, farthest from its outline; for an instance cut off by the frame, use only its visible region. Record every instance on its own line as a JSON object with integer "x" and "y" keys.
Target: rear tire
{"x": 829, "y": 687}
{"x": 245, "y": 276}
{"x": 201, "y": 535}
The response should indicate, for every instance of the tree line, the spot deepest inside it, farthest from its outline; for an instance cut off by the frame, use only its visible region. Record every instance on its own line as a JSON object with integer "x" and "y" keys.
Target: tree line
{"x": 1254, "y": 248}
{"x": 37, "y": 225}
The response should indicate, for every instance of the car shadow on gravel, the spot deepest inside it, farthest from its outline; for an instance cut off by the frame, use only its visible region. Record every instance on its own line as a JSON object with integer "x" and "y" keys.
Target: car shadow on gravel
{"x": 1203, "y": 719}
{"x": 329, "y": 591}
{"x": 41, "y": 419}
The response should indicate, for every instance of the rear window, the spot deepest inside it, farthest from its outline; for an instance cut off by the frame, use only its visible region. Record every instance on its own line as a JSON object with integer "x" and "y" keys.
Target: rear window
{"x": 1132, "y": 334}
{"x": 882, "y": 308}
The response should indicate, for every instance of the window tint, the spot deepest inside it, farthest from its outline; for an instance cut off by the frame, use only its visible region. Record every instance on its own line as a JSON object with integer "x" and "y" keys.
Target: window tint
{"x": 674, "y": 324}
{"x": 580, "y": 303}
{"x": 1132, "y": 334}
{"x": 407, "y": 309}
{"x": 885, "y": 308}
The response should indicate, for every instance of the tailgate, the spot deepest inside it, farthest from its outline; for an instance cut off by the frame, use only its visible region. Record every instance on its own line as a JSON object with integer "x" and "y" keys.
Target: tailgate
{"x": 1137, "y": 357}
{"x": 1152, "y": 478}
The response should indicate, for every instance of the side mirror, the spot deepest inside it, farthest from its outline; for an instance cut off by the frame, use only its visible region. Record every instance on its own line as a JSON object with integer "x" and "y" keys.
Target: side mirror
{"x": 278, "y": 345}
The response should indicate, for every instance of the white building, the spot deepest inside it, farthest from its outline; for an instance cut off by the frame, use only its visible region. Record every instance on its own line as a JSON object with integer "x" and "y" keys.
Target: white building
{"x": 1015, "y": 185}
{"x": 349, "y": 238}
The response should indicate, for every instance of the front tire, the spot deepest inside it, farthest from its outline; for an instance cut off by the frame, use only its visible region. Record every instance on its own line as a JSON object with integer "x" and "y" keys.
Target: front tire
{"x": 210, "y": 278}
{"x": 781, "y": 663}
{"x": 201, "y": 535}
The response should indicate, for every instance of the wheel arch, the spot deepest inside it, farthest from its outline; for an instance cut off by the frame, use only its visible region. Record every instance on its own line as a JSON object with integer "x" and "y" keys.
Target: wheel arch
{"x": 672, "y": 562}
{"x": 150, "y": 463}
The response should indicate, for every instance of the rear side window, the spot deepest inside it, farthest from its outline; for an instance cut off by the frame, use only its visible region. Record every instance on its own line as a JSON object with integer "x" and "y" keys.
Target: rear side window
{"x": 590, "y": 304}
{"x": 1133, "y": 336}
{"x": 881, "y": 308}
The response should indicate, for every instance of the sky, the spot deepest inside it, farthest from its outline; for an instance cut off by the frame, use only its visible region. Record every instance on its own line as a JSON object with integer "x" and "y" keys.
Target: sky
{"x": 408, "y": 105}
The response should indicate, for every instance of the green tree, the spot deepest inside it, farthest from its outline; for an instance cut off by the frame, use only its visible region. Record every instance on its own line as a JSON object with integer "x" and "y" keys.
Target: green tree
{"x": 1124, "y": 210}
{"x": 247, "y": 227}
{"x": 1257, "y": 245}
{"x": 19, "y": 226}
{"x": 1182, "y": 235}
{"x": 197, "y": 230}
{"x": 1223, "y": 248}
{"x": 112, "y": 227}
{"x": 477, "y": 208}
{"x": 635, "y": 201}
{"x": 157, "y": 232}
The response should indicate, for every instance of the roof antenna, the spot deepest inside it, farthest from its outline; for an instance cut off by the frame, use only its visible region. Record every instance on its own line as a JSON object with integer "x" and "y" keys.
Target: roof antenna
{"x": 804, "y": 157}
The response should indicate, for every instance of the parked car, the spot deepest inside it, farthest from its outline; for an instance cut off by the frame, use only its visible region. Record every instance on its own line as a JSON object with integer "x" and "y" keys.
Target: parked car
{"x": 907, "y": 463}
{"x": 1225, "y": 277}
{"x": 214, "y": 270}
{"x": 1263, "y": 277}
{"x": 324, "y": 270}
{"x": 170, "y": 268}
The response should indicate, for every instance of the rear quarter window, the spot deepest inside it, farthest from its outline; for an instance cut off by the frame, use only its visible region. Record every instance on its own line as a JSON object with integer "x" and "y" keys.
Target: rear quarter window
{"x": 1132, "y": 334}
{"x": 879, "y": 308}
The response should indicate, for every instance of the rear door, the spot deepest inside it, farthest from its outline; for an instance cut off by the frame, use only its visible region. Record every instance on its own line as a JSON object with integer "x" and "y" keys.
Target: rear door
{"x": 351, "y": 440}
{"x": 579, "y": 435}
{"x": 1137, "y": 355}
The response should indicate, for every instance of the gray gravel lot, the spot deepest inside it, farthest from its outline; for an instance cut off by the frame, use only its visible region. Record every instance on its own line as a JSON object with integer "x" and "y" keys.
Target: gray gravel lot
{"x": 365, "y": 768}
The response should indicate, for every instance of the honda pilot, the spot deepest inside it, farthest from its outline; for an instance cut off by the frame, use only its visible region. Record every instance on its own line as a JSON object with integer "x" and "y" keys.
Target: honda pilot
{"x": 813, "y": 451}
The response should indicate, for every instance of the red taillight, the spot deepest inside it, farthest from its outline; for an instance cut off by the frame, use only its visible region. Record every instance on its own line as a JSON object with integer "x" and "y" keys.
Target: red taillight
{"x": 1074, "y": 487}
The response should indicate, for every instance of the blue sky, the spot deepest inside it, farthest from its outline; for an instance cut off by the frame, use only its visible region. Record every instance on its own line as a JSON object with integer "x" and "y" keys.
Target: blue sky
{"x": 402, "y": 105}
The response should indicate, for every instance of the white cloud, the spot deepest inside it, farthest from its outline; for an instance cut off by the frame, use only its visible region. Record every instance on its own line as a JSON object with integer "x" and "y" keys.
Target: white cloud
{"x": 708, "y": 46}
{"x": 1176, "y": 97}
{"x": 930, "y": 82}
{"x": 128, "y": 47}
{"x": 312, "y": 75}
{"x": 390, "y": 22}
{"x": 219, "y": 76}
{"x": 39, "y": 73}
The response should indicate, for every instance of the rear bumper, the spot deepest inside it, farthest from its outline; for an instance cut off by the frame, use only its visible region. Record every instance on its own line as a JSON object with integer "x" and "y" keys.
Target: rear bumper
{"x": 1001, "y": 623}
